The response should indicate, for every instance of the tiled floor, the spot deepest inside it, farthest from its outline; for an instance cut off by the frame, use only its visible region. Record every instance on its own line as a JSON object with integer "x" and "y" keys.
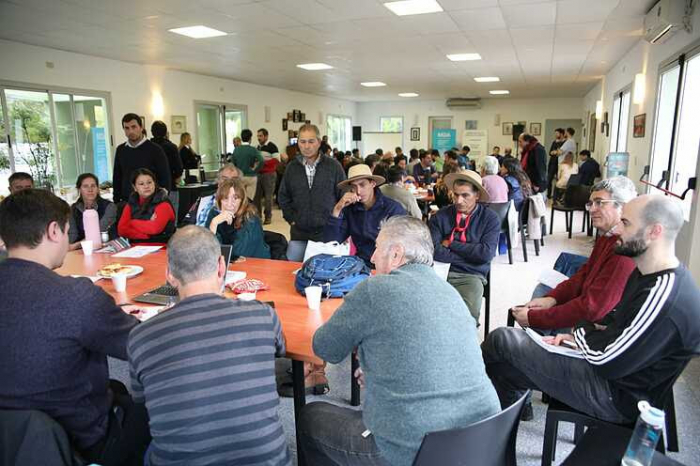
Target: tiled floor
{"x": 513, "y": 284}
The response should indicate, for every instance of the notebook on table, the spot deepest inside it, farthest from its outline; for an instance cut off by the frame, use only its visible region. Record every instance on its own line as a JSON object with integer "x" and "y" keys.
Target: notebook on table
{"x": 166, "y": 294}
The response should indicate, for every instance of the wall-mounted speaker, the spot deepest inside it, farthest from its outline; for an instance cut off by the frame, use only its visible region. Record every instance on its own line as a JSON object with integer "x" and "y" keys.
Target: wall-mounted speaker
{"x": 357, "y": 133}
{"x": 517, "y": 131}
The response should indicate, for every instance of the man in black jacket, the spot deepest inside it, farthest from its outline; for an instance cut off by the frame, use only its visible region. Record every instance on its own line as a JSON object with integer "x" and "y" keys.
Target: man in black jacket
{"x": 137, "y": 152}
{"x": 309, "y": 189}
{"x": 159, "y": 130}
{"x": 554, "y": 159}
{"x": 637, "y": 351}
{"x": 534, "y": 161}
{"x": 588, "y": 169}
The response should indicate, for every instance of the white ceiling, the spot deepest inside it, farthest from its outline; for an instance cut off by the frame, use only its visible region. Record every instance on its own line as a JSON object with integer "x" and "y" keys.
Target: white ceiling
{"x": 539, "y": 48}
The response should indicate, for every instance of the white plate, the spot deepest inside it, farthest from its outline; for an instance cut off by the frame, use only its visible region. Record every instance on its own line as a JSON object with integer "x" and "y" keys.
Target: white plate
{"x": 135, "y": 270}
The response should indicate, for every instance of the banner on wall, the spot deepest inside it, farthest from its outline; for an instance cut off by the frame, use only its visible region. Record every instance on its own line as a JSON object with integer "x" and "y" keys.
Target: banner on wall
{"x": 444, "y": 139}
{"x": 99, "y": 153}
{"x": 478, "y": 142}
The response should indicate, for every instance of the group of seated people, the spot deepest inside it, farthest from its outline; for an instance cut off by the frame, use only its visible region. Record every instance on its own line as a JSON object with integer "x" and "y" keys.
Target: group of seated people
{"x": 203, "y": 387}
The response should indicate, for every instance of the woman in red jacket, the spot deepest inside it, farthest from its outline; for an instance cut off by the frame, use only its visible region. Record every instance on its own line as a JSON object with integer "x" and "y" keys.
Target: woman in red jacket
{"x": 148, "y": 216}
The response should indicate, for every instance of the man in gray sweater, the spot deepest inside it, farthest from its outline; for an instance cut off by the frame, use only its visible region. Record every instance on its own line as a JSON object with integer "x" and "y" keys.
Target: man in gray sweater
{"x": 423, "y": 369}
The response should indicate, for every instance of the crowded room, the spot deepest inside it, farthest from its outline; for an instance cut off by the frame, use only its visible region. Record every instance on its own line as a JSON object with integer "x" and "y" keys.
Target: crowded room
{"x": 347, "y": 233}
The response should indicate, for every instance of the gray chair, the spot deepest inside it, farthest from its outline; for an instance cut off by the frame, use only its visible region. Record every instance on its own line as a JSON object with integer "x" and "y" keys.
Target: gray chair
{"x": 296, "y": 250}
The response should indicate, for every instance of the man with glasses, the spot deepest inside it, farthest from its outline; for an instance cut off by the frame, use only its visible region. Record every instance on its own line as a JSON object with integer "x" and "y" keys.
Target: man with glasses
{"x": 597, "y": 286}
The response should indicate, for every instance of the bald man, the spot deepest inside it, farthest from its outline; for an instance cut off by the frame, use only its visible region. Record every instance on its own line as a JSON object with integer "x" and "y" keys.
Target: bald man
{"x": 636, "y": 351}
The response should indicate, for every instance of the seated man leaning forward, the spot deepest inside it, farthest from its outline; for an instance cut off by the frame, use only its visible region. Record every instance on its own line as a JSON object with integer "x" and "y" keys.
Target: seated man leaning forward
{"x": 360, "y": 211}
{"x": 421, "y": 359}
{"x": 206, "y": 367}
{"x": 597, "y": 286}
{"x": 56, "y": 333}
{"x": 465, "y": 235}
{"x": 635, "y": 352}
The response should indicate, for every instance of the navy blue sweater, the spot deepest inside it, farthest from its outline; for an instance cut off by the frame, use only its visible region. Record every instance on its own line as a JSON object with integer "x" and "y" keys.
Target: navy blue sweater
{"x": 475, "y": 255}
{"x": 55, "y": 335}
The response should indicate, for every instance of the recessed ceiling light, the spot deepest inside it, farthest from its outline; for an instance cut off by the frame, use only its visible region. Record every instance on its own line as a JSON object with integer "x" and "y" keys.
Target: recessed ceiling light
{"x": 464, "y": 56}
{"x": 414, "y": 7}
{"x": 373, "y": 84}
{"x": 499, "y": 92}
{"x": 314, "y": 66}
{"x": 488, "y": 79}
{"x": 408, "y": 94}
{"x": 198, "y": 32}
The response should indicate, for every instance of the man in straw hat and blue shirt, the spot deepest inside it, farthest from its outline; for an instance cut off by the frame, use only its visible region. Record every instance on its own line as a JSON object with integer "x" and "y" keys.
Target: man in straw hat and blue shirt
{"x": 360, "y": 211}
{"x": 465, "y": 235}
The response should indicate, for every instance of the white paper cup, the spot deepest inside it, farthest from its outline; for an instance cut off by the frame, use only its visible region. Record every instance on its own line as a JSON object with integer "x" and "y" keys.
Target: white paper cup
{"x": 313, "y": 297}
{"x": 119, "y": 282}
{"x": 87, "y": 247}
{"x": 247, "y": 296}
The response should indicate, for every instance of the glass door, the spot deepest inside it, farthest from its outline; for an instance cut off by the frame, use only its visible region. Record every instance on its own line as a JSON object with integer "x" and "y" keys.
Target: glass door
{"x": 234, "y": 123}
{"x": 209, "y": 135}
{"x": 92, "y": 133}
{"x": 663, "y": 133}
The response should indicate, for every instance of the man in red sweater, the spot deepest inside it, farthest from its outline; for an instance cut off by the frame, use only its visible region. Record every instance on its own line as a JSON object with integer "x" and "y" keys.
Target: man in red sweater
{"x": 597, "y": 286}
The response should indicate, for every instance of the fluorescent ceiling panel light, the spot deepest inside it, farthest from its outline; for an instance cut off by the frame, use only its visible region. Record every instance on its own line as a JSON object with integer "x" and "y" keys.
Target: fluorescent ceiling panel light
{"x": 414, "y": 7}
{"x": 314, "y": 66}
{"x": 499, "y": 92}
{"x": 408, "y": 94}
{"x": 373, "y": 84}
{"x": 198, "y": 32}
{"x": 487, "y": 79}
{"x": 464, "y": 56}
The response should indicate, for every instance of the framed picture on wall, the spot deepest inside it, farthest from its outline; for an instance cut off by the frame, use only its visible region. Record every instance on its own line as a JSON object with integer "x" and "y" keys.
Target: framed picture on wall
{"x": 591, "y": 133}
{"x": 178, "y": 124}
{"x": 471, "y": 124}
{"x": 285, "y": 124}
{"x": 508, "y": 128}
{"x": 536, "y": 129}
{"x": 290, "y": 115}
{"x": 415, "y": 134}
{"x": 639, "y": 125}
{"x": 307, "y": 122}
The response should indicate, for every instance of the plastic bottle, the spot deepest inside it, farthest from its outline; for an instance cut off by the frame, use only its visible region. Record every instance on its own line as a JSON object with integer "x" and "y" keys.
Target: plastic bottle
{"x": 91, "y": 225}
{"x": 647, "y": 432}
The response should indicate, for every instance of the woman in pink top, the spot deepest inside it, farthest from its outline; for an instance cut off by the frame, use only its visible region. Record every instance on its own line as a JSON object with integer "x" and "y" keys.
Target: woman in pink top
{"x": 493, "y": 184}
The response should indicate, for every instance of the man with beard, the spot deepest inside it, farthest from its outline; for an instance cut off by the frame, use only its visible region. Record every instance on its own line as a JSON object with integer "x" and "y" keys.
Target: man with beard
{"x": 635, "y": 352}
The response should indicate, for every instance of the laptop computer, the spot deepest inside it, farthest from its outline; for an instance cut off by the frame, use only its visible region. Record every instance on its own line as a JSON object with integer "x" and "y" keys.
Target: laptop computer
{"x": 166, "y": 294}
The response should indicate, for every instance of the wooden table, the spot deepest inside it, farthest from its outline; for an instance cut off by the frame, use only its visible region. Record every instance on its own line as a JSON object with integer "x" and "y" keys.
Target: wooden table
{"x": 298, "y": 322}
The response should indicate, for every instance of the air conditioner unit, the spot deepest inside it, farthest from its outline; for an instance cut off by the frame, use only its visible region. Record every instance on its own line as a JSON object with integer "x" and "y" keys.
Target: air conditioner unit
{"x": 663, "y": 20}
{"x": 463, "y": 103}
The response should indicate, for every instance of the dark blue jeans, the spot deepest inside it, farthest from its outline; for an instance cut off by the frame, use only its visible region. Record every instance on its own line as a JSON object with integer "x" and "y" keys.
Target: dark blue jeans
{"x": 332, "y": 435}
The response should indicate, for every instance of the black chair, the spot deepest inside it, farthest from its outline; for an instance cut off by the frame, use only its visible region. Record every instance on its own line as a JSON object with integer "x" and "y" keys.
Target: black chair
{"x": 490, "y": 442}
{"x": 522, "y": 222}
{"x": 502, "y": 209}
{"x": 278, "y": 245}
{"x": 575, "y": 199}
{"x": 487, "y": 306}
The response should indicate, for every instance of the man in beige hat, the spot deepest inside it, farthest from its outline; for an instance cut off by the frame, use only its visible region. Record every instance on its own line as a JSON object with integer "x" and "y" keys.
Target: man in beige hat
{"x": 359, "y": 213}
{"x": 465, "y": 235}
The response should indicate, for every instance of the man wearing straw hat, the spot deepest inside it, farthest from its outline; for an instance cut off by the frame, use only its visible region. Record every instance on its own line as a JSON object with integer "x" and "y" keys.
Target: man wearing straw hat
{"x": 359, "y": 212}
{"x": 465, "y": 235}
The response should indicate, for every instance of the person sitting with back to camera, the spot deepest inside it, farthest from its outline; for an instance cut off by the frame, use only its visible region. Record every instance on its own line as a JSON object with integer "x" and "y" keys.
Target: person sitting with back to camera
{"x": 235, "y": 221}
{"x": 148, "y": 216}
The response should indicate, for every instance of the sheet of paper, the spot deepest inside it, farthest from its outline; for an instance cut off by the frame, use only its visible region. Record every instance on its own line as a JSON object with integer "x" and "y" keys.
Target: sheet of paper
{"x": 563, "y": 350}
{"x": 143, "y": 313}
{"x": 552, "y": 278}
{"x": 138, "y": 251}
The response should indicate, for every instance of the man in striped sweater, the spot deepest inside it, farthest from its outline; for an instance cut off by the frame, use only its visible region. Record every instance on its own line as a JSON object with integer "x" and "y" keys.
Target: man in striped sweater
{"x": 206, "y": 367}
{"x": 634, "y": 353}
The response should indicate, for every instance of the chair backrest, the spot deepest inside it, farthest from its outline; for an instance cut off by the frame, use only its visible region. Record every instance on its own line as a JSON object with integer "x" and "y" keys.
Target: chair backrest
{"x": 278, "y": 245}
{"x": 33, "y": 437}
{"x": 490, "y": 442}
{"x": 577, "y": 195}
{"x": 501, "y": 209}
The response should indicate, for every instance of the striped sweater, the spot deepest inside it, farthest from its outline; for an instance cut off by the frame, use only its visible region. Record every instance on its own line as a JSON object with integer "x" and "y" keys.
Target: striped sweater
{"x": 206, "y": 371}
{"x": 643, "y": 344}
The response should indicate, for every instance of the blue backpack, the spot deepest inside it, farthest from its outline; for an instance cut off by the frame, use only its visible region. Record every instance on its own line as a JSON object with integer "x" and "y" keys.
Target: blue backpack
{"x": 337, "y": 275}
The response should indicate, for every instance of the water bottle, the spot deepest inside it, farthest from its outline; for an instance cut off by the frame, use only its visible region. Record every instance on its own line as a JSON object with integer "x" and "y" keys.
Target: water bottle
{"x": 91, "y": 225}
{"x": 647, "y": 432}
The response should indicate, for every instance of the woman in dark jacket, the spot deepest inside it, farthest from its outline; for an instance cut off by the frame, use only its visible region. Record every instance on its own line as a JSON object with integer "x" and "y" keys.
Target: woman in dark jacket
{"x": 148, "y": 216}
{"x": 89, "y": 198}
{"x": 190, "y": 160}
{"x": 519, "y": 187}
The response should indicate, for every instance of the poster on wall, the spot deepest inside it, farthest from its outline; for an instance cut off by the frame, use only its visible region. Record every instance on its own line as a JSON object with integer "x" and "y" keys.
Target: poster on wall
{"x": 444, "y": 139}
{"x": 99, "y": 153}
{"x": 478, "y": 142}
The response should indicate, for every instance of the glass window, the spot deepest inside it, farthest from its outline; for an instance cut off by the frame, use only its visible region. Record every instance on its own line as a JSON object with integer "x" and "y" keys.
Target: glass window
{"x": 665, "y": 110}
{"x": 391, "y": 124}
{"x": 339, "y": 131}
{"x": 620, "y": 122}
{"x": 217, "y": 125}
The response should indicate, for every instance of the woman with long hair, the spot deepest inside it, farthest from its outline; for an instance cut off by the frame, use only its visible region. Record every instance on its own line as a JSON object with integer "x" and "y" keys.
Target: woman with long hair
{"x": 566, "y": 168}
{"x": 148, "y": 215}
{"x": 190, "y": 160}
{"x": 89, "y": 198}
{"x": 519, "y": 185}
{"x": 234, "y": 221}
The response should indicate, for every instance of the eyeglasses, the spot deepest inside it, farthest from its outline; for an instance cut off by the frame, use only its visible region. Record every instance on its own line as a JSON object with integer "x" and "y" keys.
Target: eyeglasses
{"x": 599, "y": 203}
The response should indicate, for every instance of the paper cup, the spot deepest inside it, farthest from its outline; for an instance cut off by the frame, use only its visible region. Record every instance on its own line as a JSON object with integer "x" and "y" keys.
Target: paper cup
{"x": 247, "y": 296}
{"x": 313, "y": 297}
{"x": 87, "y": 247}
{"x": 119, "y": 282}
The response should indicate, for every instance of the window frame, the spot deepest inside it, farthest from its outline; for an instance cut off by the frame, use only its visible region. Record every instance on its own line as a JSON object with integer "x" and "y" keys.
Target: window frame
{"x": 621, "y": 94}
{"x": 382, "y": 118}
{"x": 348, "y": 136}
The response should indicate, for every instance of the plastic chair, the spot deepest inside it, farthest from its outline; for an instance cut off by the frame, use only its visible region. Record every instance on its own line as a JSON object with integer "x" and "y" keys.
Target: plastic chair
{"x": 575, "y": 200}
{"x": 490, "y": 442}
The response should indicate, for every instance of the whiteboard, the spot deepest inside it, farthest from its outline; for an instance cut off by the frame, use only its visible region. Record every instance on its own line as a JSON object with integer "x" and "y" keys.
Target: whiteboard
{"x": 371, "y": 141}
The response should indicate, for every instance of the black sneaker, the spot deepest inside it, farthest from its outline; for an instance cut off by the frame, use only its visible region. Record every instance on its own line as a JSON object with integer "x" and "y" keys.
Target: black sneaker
{"x": 527, "y": 414}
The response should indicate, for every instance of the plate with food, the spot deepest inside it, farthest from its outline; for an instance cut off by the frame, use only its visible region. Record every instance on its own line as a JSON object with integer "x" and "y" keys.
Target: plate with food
{"x": 108, "y": 271}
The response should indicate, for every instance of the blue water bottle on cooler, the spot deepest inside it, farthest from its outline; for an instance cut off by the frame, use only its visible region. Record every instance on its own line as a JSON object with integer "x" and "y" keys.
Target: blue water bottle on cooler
{"x": 647, "y": 432}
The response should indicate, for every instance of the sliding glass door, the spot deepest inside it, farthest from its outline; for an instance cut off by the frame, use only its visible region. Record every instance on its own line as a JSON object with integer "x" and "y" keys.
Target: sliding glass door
{"x": 217, "y": 125}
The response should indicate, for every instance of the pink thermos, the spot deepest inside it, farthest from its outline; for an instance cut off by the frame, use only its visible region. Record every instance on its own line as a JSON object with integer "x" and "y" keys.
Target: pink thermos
{"x": 91, "y": 225}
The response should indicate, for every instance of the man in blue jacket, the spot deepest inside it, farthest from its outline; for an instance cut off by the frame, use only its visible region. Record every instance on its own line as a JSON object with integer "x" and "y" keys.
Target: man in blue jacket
{"x": 465, "y": 235}
{"x": 359, "y": 213}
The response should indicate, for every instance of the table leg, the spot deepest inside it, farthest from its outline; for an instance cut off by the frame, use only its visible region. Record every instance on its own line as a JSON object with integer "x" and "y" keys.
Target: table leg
{"x": 354, "y": 386}
{"x": 299, "y": 402}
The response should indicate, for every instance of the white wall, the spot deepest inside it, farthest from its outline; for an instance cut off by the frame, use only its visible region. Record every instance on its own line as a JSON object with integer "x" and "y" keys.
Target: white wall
{"x": 646, "y": 58}
{"x": 132, "y": 86}
{"x": 416, "y": 113}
